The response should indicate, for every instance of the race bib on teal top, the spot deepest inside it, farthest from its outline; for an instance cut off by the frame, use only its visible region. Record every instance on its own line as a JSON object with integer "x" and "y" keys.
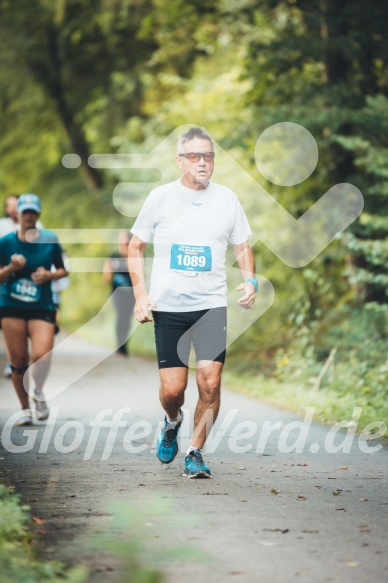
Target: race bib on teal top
{"x": 191, "y": 258}
{"x": 25, "y": 290}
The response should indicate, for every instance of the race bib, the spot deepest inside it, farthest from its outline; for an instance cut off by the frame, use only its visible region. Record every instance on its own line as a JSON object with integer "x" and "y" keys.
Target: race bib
{"x": 190, "y": 258}
{"x": 25, "y": 290}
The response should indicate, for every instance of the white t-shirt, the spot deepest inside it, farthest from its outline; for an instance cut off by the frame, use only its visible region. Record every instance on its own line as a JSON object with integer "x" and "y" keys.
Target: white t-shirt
{"x": 8, "y": 226}
{"x": 190, "y": 230}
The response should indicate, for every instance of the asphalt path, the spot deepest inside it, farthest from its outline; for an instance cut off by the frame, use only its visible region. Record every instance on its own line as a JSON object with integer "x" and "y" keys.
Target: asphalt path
{"x": 282, "y": 504}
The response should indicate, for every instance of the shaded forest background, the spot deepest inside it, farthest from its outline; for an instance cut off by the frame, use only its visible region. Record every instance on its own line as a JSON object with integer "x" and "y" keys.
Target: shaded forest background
{"x": 118, "y": 76}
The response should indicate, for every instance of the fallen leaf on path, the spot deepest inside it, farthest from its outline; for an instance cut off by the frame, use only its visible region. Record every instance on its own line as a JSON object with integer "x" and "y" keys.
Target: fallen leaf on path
{"x": 344, "y": 468}
{"x": 302, "y": 498}
{"x": 337, "y": 492}
{"x": 38, "y": 520}
{"x": 302, "y": 465}
{"x": 282, "y": 530}
{"x": 352, "y": 564}
{"x": 273, "y": 491}
{"x": 363, "y": 499}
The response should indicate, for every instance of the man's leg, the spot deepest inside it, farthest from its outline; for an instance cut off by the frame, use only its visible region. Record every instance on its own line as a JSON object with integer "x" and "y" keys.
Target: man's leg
{"x": 173, "y": 383}
{"x": 209, "y": 390}
{"x": 209, "y": 339}
{"x": 173, "y": 370}
{"x": 209, "y": 384}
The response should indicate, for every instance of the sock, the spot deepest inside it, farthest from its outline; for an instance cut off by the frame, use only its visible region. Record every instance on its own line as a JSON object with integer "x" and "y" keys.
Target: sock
{"x": 192, "y": 448}
{"x": 174, "y": 422}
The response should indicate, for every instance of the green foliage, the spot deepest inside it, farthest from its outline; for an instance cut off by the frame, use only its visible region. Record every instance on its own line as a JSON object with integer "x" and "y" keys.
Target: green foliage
{"x": 18, "y": 563}
{"x": 131, "y": 539}
{"x": 357, "y": 377}
{"x": 367, "y": 242}
{"x": 13, "y": 516}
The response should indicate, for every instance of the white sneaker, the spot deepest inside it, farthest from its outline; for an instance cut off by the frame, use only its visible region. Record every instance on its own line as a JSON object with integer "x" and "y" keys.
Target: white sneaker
{"x": 25, "y": 419}
{"x": 41, "y": 409}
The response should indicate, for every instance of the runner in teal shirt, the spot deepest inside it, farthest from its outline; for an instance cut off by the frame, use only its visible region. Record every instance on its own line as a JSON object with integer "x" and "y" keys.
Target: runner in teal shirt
{"x": 27, "y": 310}
{"x": 19, "y": 290}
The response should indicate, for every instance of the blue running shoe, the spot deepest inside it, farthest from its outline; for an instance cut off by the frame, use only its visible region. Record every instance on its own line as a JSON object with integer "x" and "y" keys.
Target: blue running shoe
{"x": 195, "y": 466}
{"x": 167, "y": 444}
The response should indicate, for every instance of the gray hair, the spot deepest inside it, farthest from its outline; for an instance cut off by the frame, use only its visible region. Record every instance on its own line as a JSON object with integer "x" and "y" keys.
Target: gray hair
{"x": 191, "y": 134}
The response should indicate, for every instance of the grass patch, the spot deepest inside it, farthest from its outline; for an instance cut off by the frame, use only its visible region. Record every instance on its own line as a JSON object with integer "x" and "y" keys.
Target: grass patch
{"x": 18, "y": 561}
{"x": 331, "y": 405}
{"x": 129, "y": 538}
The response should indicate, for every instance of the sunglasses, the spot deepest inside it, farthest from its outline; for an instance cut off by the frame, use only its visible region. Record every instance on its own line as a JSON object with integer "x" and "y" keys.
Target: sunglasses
{"x": 196, "y": 156}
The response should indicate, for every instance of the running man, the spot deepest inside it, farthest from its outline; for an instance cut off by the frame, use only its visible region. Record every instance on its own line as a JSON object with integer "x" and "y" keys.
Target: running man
{"x": 27, "y": 309}
{"x": 191, "y": 221}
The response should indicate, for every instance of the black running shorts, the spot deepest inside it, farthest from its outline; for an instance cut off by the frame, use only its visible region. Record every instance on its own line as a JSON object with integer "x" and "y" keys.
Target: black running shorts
{"x": 176, "y": 331}
{"x": 26, "y": 314}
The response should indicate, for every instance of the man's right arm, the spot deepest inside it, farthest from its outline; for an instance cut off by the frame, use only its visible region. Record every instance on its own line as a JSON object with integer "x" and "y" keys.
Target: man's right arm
{"x": 136, "y": 250}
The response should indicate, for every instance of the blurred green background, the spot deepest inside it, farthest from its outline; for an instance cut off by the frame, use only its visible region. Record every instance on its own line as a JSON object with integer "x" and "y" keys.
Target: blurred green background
{"x": 118, "y": 76}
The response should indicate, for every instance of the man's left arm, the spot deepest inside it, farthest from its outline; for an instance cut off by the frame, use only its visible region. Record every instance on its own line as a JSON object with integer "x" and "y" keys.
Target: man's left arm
{"x": 246, "y": 263}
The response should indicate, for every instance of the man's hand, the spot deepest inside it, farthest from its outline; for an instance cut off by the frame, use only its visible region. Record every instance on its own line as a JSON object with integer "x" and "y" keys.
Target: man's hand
{"x": 142, "y": 307}
{"x": 248, "y": 299}
{"x": 17, "y": 262}
{"x": 41, "y": 275}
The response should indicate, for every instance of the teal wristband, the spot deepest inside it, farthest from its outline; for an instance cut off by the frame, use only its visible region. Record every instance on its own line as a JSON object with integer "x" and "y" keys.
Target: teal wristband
{"x": 254, "y": 281}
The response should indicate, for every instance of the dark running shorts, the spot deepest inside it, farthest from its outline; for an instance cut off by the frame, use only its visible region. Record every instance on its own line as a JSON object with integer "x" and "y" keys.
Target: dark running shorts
{"x": 26, "y": 314}
{"x": 176, "y": 331}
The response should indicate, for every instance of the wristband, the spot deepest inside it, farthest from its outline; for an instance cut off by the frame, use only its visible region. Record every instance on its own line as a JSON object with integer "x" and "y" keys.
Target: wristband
{"x": 254, "y": 281}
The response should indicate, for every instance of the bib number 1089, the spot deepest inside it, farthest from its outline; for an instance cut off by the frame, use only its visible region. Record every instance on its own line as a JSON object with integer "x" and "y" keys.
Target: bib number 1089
{"x": 191, "y": 258}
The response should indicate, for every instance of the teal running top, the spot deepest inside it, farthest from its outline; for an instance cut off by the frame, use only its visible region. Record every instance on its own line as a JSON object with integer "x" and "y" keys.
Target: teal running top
{"x": 19, "y": 291}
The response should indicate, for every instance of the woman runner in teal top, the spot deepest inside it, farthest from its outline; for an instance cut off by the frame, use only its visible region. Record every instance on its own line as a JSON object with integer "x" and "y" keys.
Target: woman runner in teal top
{"x": 27, "y": 309}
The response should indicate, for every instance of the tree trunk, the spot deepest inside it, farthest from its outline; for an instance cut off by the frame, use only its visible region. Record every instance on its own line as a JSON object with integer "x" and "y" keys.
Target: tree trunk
{"x": 54, "y": 86}
{"x": 334, "y": 27}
